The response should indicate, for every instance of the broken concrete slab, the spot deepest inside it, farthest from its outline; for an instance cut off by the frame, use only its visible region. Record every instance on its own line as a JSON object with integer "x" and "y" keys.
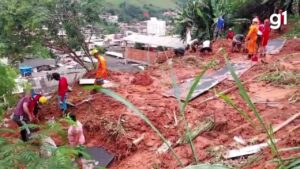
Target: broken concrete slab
{"x": 209, "y": 81}
{"x": 245, "y": 151}
{"x": 107, "y": 83}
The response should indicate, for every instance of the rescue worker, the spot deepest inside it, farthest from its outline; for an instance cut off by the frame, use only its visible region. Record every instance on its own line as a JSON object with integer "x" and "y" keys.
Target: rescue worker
{"x": 265, "y": 37}
{"x": 102, "y": 68}
{"x": 260, "y": 32}
{"x": 22, "y": 116}
{"x": 281, "y": 20}
{"x": 35, "y": 101}
{"x": 251, "y": 40}
{"x": 206, "y": 47}
{"x": 63, "y": 88}
{"x": 219, "y": 27}
{"x": 237, "y": 42}
{"x": 230, "y": 34}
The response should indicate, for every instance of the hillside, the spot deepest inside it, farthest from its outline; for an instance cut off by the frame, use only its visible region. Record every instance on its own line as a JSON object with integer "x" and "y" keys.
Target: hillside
{"x": 165, "y": 4}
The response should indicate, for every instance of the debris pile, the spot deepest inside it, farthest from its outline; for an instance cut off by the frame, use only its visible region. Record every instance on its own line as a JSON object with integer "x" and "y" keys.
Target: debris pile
{"x": 142, "y": 79}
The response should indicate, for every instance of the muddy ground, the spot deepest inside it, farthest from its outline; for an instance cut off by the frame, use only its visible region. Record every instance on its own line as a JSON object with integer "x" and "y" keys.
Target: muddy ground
{"x": 109, "y": 124}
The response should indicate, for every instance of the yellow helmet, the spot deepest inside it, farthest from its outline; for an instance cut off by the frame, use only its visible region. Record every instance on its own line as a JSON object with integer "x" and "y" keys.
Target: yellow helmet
{"x": 94, "y": 51}
{"x": 42, "y": 99}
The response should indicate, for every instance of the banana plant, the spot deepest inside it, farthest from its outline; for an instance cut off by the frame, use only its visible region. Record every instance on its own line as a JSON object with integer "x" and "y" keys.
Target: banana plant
{"x": 201, "y": 16}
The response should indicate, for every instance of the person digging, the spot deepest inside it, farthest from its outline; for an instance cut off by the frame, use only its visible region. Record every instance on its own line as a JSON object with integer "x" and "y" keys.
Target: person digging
{"x": 63, "y": 88}
{"x": 34, "y": 104}
{"x": 22, "y": 117}
{"x": 102, "y": 68}
{"x": 237, "y": 42}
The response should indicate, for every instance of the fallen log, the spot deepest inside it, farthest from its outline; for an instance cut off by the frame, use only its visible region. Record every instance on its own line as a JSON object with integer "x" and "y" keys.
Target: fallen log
{"x": 207, "y": 125}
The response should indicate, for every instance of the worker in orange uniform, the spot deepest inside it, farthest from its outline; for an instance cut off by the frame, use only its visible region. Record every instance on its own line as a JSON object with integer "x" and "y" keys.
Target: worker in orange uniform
{"x": 251, "y": 40}
{"x": 102, "y": 68}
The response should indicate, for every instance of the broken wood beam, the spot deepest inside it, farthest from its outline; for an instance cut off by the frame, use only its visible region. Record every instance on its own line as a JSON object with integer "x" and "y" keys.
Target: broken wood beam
{"x": 277, "y": 127}
{"x": 293, "y": 129}
{"x": 289, "y": 120}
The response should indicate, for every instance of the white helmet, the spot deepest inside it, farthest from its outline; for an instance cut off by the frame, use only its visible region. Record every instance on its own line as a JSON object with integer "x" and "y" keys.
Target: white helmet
{"x": 255, "y": 20}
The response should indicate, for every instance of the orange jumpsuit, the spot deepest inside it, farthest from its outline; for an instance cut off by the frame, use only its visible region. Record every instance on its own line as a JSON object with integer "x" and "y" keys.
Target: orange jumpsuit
{"x": 252, "y": 39}
{"x": 102, "y": 69}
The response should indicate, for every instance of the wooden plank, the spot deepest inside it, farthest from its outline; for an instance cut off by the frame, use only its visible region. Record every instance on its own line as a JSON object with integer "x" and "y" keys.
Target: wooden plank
{"x": 90, "y": 81}
{"x": 289, "y": 120}
{"x": 245, "y": 150}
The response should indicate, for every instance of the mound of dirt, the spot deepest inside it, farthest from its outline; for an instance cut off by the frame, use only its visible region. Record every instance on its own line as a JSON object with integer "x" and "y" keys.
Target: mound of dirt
{"x": 142, "y": 79}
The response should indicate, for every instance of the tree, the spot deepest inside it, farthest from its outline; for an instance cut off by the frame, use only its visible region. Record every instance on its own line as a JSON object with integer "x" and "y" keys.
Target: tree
{"x": 7, "y": 84}
{"x": 201, "y": 15}
{"x": 34, "y": 27}
{"x": 15, "y": 153}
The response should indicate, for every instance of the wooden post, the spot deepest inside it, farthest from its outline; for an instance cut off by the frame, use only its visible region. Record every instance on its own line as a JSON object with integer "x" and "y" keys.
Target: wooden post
{"x": 125, "y": 52}
{"x": 148, "y": 57}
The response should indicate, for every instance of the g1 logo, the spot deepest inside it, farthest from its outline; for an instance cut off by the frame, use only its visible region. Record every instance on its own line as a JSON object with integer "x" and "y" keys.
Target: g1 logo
{"x": 276, "y": 24}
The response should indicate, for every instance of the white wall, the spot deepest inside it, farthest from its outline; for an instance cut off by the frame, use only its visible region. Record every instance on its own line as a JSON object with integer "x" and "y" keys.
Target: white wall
{"x": 156, "y": 27}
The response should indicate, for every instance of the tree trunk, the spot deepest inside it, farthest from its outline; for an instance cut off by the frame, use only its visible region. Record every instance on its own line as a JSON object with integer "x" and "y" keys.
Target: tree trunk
{"x": 296, "y": 7}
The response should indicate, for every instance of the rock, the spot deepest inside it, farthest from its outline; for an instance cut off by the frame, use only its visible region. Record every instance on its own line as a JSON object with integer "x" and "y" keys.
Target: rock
{"x": 47, "y": 147}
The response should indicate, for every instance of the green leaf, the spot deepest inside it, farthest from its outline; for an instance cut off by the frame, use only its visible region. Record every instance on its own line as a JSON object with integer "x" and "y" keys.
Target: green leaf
{"x": 294, "y": 164}
{"x": 7, "y": 130}
{"x": 230, "y": 102}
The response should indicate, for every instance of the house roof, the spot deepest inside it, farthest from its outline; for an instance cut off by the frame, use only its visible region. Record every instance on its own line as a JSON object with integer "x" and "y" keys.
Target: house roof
{"x": 165, "y": 41}
{"x": 36, "y": 62}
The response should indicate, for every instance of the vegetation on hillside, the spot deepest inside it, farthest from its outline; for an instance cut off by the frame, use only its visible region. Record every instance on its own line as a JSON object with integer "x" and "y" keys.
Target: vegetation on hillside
{"x": 7, "y": 84}
{"x": 30, "y": 28}
{"x": 201, "y": 15}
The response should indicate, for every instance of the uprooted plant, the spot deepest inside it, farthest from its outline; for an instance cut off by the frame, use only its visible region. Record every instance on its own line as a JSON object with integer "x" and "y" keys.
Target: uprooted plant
{"x": 279, "y": 77}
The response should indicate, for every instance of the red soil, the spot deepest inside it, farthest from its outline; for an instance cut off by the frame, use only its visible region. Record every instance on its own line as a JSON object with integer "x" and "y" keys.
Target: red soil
{"x": 142, "y": 79}
{"x": 104, "y": 118}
